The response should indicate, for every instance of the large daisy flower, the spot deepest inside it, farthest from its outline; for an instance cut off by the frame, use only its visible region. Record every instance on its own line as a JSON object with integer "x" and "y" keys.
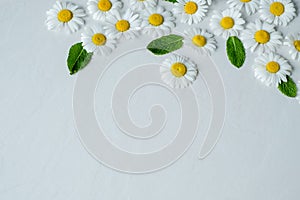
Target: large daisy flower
{"x": 157, "y": 21}
{"x": 139, "y": 5}
{"x": 271, "y": 69}
{"x": 178, "y": 71}
{"x": 251, "y": 6}
{"x": 65, "y": 17}
{"x": 293, "y": 40}
{"x": 279, "y": 12}
{"x": 127, "y": 26}
{"x": 95, "y": 40}
{"x": 101, "y": 9}
{"x": 261, "y": 37}
{"x": 227, "y": 23}
{"x": 200, "y": 40}
{"x": 190, "y": 11}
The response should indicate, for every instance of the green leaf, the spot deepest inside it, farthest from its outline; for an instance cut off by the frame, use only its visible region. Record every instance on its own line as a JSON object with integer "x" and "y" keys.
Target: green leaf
{"x": 78, "y": 58}
{"x": 165, "y": 44}
{"x": 172, "y": 1}
{"x": 235, "y": 51}
{"x": 288, "y": 88}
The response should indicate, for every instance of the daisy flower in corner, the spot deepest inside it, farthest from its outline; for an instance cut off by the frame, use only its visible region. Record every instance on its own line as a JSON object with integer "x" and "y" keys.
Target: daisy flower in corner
{"x": 261, "y": 37}
{"x": 293, "y": 41}
{"x": 101, "y": 9}
{"x": 279, "y": 12}
{"x": 157, "y": 21}
{"x": 200, "y": 40}
{"x": 250, "y": 6}
{"x": 65, "y": 17}
{"x": 272, "y": 69}
{"x": 127, "y": 26}
{"x": 227, "y": 23}
{"x": 190, "y": 11}
{"x": 178, "y": 71}
{"x": 94, "y": 39}
{"x": 139, "y": 5}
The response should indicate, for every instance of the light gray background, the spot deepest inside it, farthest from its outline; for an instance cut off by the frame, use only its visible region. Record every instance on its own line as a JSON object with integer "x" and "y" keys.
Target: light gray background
{"x": 41, "y": 156}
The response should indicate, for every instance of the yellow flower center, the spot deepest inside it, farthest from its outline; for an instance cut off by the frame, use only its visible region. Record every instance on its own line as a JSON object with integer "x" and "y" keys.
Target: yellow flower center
{"x": 262, "y": 36}
{"x": 199, "y": 40}
{"x": 277, "y": 8}
{"x": 190, "y": 7}
{"x": 273, "y": 67}
{"x": 178, "y": 69}
{"x": 297, "y": 44}
{"x": 156, "y": 19}
{"x": 122, "y": 25}
{"x": 245, "y": 1}
{"x": 227, "y": 22}
{"x": 104, "y": 5}
{"x": 64, "y": 15}
{"x": 99, "y": 39}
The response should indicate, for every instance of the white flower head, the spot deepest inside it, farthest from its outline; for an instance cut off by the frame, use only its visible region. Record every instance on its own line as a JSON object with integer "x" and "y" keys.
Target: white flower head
{"x": 250, "y": 6}
{"x": 227, "y": 23}
{"x": 101, "y": 9}
{"x": 178, "y": 71}
{"x": 139, "y": 5}
{"x": 271, "y": 69}
{"x": 190, "y": 11}
{"x": 279, "y": 12}
{"x": 200, "y": 40}
{"x": 65, "y": 16}
{"x": 157, "y": 21}
{"x": 293, "y": 41}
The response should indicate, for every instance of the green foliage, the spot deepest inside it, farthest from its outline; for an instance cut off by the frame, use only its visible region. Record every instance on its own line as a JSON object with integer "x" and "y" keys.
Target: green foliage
{"x": 288, "y": 88}
{"x": 235, "y": 51}
{"x": 165, "y": 44}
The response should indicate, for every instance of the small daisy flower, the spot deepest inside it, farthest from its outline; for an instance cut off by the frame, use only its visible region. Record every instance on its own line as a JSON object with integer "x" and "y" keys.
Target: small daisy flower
{"x": 293, "y": 40}
{"x": 178, "y": 71}
{"x": 101, "y": 9}
{"x": 251, "y": 6}
{"x": 95, "y": 40}
{"x": 139, "y": 5}
{"x": 298, "y": 92}
{"x": 227, "y": 23}
{"x": 279, "y": 12}
{"x": 127, "y": 26}
{"x": 261, "y": 37}
{"x": 157, "y": 21}
{"x": 190, "y": 11}
{"x": 272, "y": 69}
{"x": 65, "y": 17}
{"x": 200, "y": 40}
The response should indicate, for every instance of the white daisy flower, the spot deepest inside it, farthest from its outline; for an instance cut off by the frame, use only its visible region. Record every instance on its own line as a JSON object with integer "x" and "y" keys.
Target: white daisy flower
{"x": 251, "y": 6}
{"x": 139, "y": 5}
{"x": 101, "y": 9}
{"x": 279, "y": 12}
{"x": 190, "y": 11}
{"x": 95, "y": 40}
{"x": 127, "y": 26}
{"x": 200, "y": 40}
{"x": 261, "y": 37}
{"x": 293, "y": 40}
{"x": 227, "y": 23}
{"x": 298, "y": 92}
{"x": 178, "y": 71}
{"x": 157, "y": 21}
{"x": 65, "y": 17}
{"x": 271, "y": 69}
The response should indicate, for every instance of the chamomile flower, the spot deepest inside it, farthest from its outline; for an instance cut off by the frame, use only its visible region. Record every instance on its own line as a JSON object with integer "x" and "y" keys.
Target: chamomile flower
{"x": 101, "y": 9}
{"x": 271, "y": 69}
{"x": 157, "y": 21}
{"x": 279, "y": 12}
{"x": 227, "y": 23}
{"x": 95, "y": 40}
{"x": 127, "y": 26}
{"x": 261, "y": 37}
{"x": 65, "y": 17}
{"x": 139, "y": 5}
{"x": 293, "y": 40}
{"x": 200, "y": 40}
{"x": 251, "y": 6}
{"x": 190, "y": 11}
{"x": 178, "y": 71}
